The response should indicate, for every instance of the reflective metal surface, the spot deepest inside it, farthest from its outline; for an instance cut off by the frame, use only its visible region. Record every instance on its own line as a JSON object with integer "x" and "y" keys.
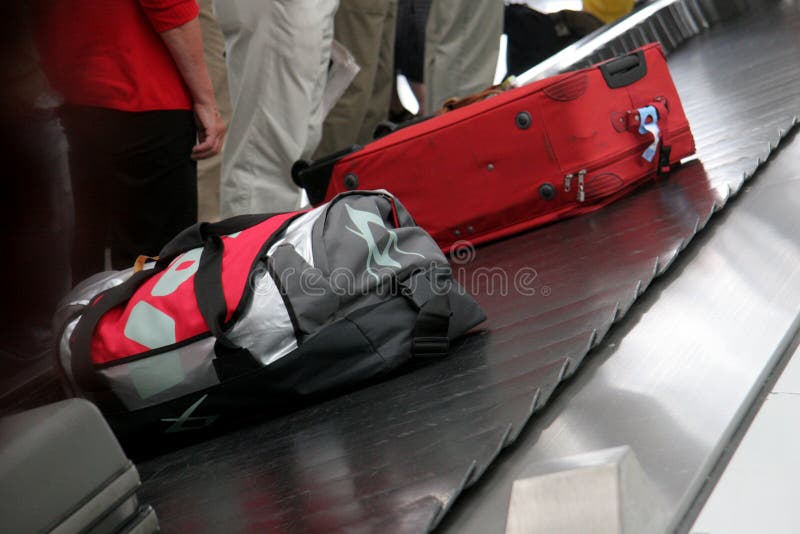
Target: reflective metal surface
{"x": 674, "y": 378}
{"x": 671, "y": 380}
{"x": 600, "y": 492}
{"x": 669, "y": 22}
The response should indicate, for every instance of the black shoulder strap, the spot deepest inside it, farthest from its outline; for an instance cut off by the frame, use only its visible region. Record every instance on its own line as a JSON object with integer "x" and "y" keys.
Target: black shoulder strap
{"x": 196, "y": 235}
{"x": 430, "y": 332}
{"x": 231, "y": 360}
{"x": 81, "y": 358}
{"x": 431, "y": 338}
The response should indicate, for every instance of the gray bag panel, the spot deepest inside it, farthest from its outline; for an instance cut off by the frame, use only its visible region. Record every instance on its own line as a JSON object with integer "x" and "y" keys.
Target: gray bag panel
{"x": 159, "y": 378}
{"x": 466, "y": 313}
{"x": 372, "y": 249}
{"x": 266, "y": 329}
{"x": 359, "y": 237}
{"x": 389, "y": 327}
{"x": 308, "y": 294}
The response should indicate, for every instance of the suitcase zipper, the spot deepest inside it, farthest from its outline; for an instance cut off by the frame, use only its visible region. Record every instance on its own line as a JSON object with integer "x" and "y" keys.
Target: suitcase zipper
{"x": 581, "y": 195}
{"x": 582, "y": 173}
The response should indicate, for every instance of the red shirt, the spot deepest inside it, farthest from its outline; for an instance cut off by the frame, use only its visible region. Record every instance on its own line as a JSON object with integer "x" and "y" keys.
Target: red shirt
{"x": 108, "y": 53}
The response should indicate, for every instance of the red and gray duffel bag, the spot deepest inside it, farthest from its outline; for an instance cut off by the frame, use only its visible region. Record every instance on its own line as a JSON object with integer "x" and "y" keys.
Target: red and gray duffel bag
{"x": 259, "y": 314}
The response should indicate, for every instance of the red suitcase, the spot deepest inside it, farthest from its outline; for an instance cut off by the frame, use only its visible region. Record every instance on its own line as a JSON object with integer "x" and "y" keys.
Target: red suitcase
{"x": 552, "y": 149}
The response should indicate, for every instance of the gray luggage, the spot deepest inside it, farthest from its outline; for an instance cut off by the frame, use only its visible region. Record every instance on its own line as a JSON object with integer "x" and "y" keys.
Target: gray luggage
{"x": 62, "y": 470}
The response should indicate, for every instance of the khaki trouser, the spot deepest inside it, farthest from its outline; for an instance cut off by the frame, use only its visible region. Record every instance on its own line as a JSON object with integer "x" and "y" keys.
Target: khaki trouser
{"x": 277, "y": 54}
{"x": 208, "y": 170}
{"x": 367, "y": 29}
{"x": 462, "y": 44}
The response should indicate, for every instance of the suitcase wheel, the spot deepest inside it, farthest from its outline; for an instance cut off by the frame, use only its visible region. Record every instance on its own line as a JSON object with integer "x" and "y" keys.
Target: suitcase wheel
{"x": 350, "y": 181}
{"x": 523, "y": 120}
{"x": 547, "y": 191}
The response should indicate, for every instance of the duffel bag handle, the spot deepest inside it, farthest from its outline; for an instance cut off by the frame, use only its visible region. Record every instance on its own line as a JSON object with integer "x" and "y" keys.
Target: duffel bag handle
{"x": 231, "y": 359}
{"x": 208, "y": 290}
{"x": 196, "y": 235}
{"x": 315, "y": 176}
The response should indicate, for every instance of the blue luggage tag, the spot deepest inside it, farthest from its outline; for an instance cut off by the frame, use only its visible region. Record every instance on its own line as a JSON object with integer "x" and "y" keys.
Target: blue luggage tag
{"x": 649, "y": 112}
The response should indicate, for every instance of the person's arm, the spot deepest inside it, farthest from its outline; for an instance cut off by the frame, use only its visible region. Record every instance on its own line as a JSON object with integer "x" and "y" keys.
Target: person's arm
{"x": 177, "y": 23}
{"x": 186, "y": 46}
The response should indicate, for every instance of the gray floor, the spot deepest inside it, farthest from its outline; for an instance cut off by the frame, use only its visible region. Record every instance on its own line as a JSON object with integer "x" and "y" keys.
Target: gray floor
{"x": 758, "y": 490}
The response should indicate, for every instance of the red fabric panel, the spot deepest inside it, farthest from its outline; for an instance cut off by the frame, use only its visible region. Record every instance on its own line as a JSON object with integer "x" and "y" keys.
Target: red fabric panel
{"x": 177, "y": 316}
{"x": 473, "y": 174}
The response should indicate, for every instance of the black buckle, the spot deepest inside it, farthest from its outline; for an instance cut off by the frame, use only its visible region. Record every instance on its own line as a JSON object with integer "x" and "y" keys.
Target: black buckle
{"x": 430, "y": 347}
{"x": 663, "y": 159}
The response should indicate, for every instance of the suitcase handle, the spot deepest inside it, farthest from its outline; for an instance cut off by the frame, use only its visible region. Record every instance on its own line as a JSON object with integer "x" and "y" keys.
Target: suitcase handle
{"x": 314, "y": 176}
{"x": 624, "y": 71}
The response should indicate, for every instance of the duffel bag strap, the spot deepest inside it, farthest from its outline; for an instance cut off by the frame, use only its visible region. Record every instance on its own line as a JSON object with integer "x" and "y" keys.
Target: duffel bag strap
{"x": 81, "y": 340}
{"x": 196, "y": 235}
{"x": 430, "y": 337}
{"x": 231, "y": 359}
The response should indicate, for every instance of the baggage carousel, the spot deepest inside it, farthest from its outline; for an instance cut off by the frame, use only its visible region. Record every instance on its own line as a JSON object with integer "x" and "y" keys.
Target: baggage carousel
{"x": 652, "y": 324}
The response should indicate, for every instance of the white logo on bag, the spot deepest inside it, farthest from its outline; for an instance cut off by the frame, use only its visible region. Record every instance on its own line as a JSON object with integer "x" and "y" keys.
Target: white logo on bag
{"x": 151, "y": 327}
{"x": 178, "y": 424}
{"x": 179, "y": 272}
{"x": 381, "y": 258}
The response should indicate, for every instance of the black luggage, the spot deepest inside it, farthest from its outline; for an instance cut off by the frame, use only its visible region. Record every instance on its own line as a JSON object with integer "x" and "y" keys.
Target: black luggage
{"x": 534, "y": 36}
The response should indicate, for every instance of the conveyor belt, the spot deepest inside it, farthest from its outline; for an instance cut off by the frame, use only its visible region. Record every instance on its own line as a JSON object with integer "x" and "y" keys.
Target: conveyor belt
{"x": 395, "y": 456}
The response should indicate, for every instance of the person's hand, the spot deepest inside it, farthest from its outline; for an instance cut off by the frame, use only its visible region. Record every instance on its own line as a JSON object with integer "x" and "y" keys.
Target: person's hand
{"x": 210, "y": 131}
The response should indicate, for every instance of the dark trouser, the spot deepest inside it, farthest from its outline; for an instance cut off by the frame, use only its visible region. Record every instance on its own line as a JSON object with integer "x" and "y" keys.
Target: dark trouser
{"x": 133, "y": 181}
{"x": 36, "y": 213}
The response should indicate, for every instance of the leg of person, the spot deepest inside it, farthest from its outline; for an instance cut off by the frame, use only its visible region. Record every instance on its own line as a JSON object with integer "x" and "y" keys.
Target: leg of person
{"x": 277, "y": 53}
{"x": 418, "y": 88}
{"x": 403, "y": 55}
{"x": 317, "y": 111}
{"x": 154, "y": 184}
{"x": 383, "y": 83}
{"x": 36, "y": 209}
{"x": 87, "y": 132}
{"x": 415, "y": 62}
{"x": 462, "y": 45}
{"x": 208, "y": 170}
{"x": 359, "y": 25}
